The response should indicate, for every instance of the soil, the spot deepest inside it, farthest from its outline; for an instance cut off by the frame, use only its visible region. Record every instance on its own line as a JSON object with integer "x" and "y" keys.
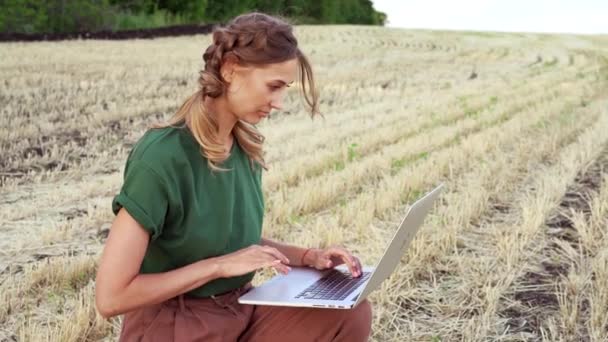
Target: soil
{"x": 539, "y": 295}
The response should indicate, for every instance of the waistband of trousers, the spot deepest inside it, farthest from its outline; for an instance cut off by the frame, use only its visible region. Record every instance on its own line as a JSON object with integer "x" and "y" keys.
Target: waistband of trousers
{"x": 226, "y": 300}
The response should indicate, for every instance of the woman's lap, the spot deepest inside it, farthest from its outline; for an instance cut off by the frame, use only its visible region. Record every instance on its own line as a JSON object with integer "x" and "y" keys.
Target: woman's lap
{"x": 224, "y": 319}
{"x": 269, "y": 323}
{"x": 170, "y": 322}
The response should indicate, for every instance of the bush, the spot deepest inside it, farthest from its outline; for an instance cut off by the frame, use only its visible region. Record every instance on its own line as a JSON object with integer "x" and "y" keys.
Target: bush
{"x": 127, "y": 20}
{"x": 65, "y": 16}
{"x": 32, "y": 16}
{"x": 23, "y": 16}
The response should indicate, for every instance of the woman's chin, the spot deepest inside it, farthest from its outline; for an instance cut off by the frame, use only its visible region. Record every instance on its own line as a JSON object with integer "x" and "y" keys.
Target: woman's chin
{"x": 253, "y": 119}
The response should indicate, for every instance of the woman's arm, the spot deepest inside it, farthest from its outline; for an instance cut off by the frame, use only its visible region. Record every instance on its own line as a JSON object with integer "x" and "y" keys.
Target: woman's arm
{"x": 120, "y": 288}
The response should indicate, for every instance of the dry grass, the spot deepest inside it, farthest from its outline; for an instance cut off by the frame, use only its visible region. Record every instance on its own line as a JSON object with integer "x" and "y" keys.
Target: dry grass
{"x": 515, "y": 250}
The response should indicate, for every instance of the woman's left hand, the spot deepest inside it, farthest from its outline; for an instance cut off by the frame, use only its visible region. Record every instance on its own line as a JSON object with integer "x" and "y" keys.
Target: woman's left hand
{"x": 333, "y": 256}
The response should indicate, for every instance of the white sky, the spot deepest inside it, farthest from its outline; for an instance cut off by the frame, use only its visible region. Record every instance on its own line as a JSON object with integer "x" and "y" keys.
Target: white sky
{"x": 563, "y": 16}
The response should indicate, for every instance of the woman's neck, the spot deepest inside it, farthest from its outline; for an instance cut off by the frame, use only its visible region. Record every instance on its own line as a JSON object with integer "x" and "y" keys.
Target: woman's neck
{"x": 225, "y": 120}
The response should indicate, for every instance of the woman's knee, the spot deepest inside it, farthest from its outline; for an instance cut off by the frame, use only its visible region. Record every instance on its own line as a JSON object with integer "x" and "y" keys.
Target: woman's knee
{"x": 359, "y": 320}
{"x": 364, "y": 312}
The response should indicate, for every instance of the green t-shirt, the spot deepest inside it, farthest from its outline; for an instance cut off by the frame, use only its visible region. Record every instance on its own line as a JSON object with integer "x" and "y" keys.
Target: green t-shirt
{"x": 191, "y": 212}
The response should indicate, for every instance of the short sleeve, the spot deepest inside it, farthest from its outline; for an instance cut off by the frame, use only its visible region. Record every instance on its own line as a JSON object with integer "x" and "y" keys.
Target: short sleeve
{"x": 144, "y": 195}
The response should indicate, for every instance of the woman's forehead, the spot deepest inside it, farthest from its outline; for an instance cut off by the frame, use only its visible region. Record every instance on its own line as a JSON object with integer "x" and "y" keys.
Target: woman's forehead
{"x": 283, "y": 72}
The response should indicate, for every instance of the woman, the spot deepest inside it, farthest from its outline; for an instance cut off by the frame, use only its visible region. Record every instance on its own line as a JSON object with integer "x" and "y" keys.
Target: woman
{"x": 186, "y": 240}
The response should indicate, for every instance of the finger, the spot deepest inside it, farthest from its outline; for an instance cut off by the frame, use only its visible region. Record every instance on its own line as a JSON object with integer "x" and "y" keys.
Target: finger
{"x": 278, "y": 266}
{"x": 324, "y": 260}
{"x": 356, "y": 264}
{"x": 282, "y": 268}
{"x": 359, "y": 267}
{"x": 332, "y": 259}
{"x": 349, "y": 259}
{"x": 336, "y": 260}
{"x": 335, "y": 255}
{"x": 352, "y": 265}
{"x": 275, "y": 252}
{"x": 346, "y": 257}
{"x": 271, "y": 263}
{"x": 354, "y": 270}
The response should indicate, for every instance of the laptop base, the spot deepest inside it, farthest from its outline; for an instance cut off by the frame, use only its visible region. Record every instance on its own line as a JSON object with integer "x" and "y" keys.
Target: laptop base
{"x": 282, "y": 290}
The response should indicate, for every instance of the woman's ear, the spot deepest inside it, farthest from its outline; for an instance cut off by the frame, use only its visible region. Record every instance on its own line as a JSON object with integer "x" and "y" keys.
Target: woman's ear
{"x": 228, "y": 67}
{"x": 227, "y": 75}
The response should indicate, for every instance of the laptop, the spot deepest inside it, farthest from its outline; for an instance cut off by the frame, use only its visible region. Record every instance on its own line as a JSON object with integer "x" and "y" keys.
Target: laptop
{"x": 335, "y": 288}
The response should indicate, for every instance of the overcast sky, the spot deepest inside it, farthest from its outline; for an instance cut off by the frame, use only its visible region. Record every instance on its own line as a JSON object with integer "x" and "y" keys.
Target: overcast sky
{"x": 568, "y": 16}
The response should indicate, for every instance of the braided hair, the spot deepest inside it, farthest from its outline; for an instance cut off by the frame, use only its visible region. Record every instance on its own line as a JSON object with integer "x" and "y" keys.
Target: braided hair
{"x": 256, "y": 39}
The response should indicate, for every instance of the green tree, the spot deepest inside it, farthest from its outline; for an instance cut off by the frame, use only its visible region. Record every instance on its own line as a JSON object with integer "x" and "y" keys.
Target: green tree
{"x": 192, "y": 10}
{"x": 269, "y": 6}
{"x": 78, "y": 15}
{"x": 136, "y": 6}
{"x": 26, "y": 16}
{"x": 31, "y": 16}
{"x": 223, "y": 10}
{"x": 330, "y": 11}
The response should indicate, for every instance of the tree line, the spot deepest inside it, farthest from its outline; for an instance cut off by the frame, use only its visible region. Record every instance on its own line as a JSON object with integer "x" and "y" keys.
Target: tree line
{"x": 62, "y": 16}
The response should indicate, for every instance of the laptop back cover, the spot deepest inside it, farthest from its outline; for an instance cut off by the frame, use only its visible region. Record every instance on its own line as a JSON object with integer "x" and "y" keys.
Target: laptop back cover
{"x": 403, "y": 237}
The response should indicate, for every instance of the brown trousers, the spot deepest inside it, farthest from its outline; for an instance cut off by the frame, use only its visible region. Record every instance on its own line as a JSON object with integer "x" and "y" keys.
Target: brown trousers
{"x": 222, "y": 318}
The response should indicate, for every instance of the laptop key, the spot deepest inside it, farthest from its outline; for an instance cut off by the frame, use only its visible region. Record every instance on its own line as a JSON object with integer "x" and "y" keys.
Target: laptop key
{"x": 335, "y": 285}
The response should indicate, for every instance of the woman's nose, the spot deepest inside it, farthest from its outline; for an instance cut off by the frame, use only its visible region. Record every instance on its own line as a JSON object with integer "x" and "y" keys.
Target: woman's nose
{"x": 276, "y": 104}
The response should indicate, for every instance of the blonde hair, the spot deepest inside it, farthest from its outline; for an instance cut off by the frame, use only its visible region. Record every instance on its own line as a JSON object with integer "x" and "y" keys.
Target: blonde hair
{"x": 255, "y": 39}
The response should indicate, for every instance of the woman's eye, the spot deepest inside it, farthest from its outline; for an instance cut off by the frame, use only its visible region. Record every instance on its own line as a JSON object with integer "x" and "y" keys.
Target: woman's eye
{"x": 273, "y": 88}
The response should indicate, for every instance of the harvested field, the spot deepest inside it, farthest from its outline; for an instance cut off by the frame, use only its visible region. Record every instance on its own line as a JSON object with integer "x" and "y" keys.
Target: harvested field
{"x": 514, "y": 124}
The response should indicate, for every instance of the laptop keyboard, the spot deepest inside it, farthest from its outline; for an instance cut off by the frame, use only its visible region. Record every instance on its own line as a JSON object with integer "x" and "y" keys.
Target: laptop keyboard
{"x": 335, "y": 285}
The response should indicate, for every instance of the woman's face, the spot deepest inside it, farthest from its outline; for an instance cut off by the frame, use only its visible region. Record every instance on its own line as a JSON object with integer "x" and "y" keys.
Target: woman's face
{"x": 253, "y": 92}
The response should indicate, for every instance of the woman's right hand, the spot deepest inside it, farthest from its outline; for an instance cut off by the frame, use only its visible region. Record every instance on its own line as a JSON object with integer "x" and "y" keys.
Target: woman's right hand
{"x": 252, "y": 258}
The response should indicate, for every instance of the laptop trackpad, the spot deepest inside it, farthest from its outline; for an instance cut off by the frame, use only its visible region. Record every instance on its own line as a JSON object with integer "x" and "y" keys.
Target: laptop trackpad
{"x": 284, "y": 287}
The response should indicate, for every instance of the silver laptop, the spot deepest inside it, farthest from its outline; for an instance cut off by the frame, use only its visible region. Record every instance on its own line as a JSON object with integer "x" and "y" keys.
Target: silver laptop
{"x": 335, "y": 288}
